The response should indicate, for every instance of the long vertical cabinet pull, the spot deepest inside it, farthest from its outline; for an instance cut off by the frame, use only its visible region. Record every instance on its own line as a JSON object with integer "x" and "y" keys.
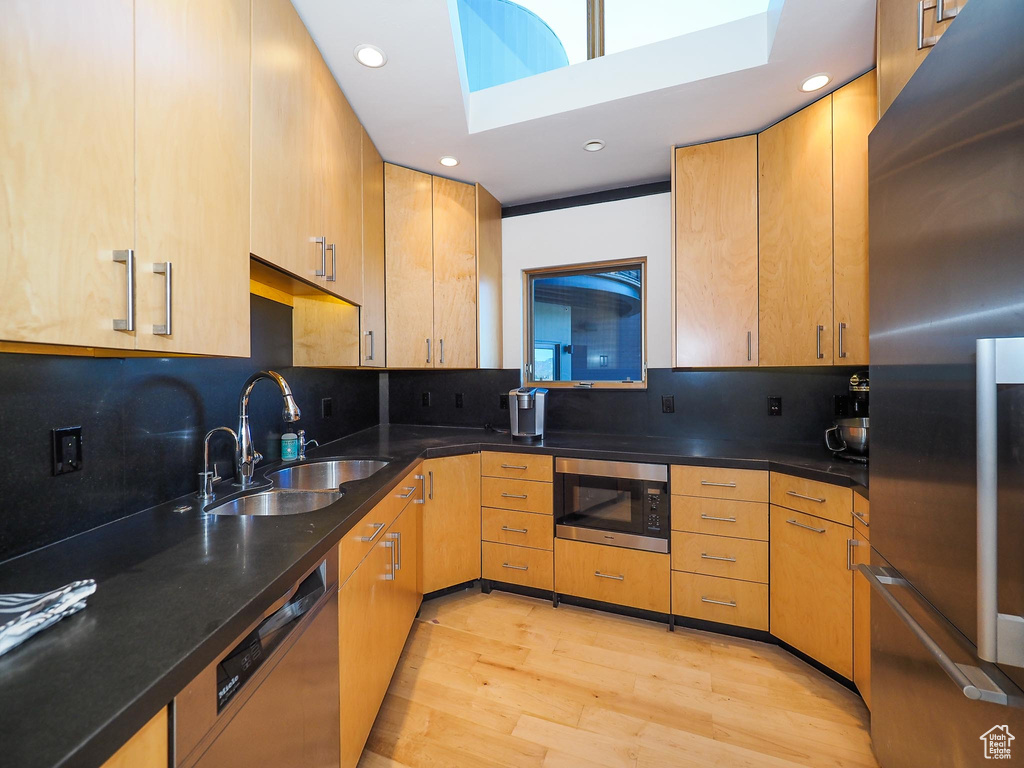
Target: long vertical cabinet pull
{"x": 428, "y": 351}
{"x": 370, "y": 335}
{"x": 334, "y": 263}
{"x": 390, "y": 575}
{"x": 127, "y": 257}
{"x": 431, "y": 494}
{"x": 423, "y": 491}
{"x": 1000, "y": 635}
{"x": 748, "y": 347}
{"x": 322, "y": 242}
{"x": 442, "y": 351}
{"x": 820, "y": 328}
{"x": 164, "y": 268}
{"x": 396, "y": 550}
{"x": 842, "y": 350}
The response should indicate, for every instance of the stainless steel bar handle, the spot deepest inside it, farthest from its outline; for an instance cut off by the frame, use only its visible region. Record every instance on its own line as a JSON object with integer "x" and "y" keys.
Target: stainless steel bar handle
{"x": 423, "y": 490}
{"x": 127, "y": 257}
{"x": 164, "y": 268}
{"x": 808, "y": 527}
{"x": 922, "y": 41}
{"x": 850, "y": 544}
{"x": 842, "y": 351}
{"x": 516, "y": 567}
{"x": 720, "y": 519}
{"x": 514, "y": 530}
{"x": 1000, "y": 635}
{"x": 377, "y": 529}
{"x": 860, "y": 516}
{"x": 442, "y": 351}
{"x": 410, "y": 488}
{"x": 940, "y": 11}
{"x": 428, "y": 350}
{"x": 718, "y": 485}
{"x": 817, "y": 335}
{"x": 396, "y": 536}
{"x": 805, "y": 498}
{"x": 514, "y": 466}
{"x": 334, "y": 263}
{"x": 748, "y": 346}
{"x": 975, "y": 682}
{"x": 727, "y": 603}
{"x": 390, "y": 575}
{"x": 620, "y": 577}
{"x": 322, "y": 242}
{"x": 370, "y": 334}
{"x": 430, "y": 474}
{"x": 513, "y": 495}
{"x": 706, "y": 556}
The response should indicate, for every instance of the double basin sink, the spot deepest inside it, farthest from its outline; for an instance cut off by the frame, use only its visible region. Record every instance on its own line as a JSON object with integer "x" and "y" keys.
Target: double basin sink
{"x": 301, "y": 488}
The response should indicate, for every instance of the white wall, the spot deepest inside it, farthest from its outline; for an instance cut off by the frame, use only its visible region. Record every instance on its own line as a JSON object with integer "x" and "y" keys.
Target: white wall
{"x": 623, "y": 229}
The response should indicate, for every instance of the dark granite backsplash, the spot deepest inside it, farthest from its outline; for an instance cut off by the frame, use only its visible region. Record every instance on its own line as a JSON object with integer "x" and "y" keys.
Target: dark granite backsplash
{"x": 143, "y": 420}
{"x": 716, "y": 404}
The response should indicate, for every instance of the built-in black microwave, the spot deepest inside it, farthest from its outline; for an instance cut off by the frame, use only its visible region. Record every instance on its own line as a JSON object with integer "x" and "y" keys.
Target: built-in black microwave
{"x": 612, "y": 502}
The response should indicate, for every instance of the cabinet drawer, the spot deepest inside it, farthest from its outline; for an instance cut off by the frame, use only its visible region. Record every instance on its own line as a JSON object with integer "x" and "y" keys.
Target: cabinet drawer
{"x": 861, "y": 510}
{"x": 517, "y": 565}
{"x": 720, "y": 517}
{"x": 524, "y": 495}
{"x": 741, "y": 603}
{"x": 744, "y": 559}
{"x": 612, "y": 574}
{"x": 523, "y": 529}
{"x": 830, "y": 502}
{"x": 357, "y": 542}
{"x": 720, "y": 483}
{"x": 518, "y": 466}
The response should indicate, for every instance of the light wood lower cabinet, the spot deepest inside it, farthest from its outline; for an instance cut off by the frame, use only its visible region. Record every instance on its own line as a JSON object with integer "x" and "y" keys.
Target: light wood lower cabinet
{"x": 715, "y": 242}
{"x": 522, "y": 495}
{"x": 730, "y": 558}
{"x": 376, "y": 608}
{"x": 725, "y": 601}
{"x": 720, "y": 517}
{"x": 720, "y": 483}
{"x": 451, "y": 521}
{"x": 831, "y": 502}
{"x": 613, "y": 575}
{"x": 812, "y": 587}
{"x": 516, "y": 466}
{"x": 517, "y": 565}
{"x": 862, "y": 614}
{"x": 521, "y": 529}
{"x": 147, "y": 748}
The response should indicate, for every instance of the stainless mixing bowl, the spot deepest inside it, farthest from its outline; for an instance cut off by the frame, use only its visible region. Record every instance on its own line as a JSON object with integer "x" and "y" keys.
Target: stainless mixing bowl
{"x": 848, "y": 435}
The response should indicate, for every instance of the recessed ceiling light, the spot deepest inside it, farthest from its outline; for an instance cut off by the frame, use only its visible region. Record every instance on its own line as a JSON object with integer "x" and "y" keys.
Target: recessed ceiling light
{"x": 370, "y": 56}
{"x": 448, "y": 161}
{"x": 594, "y": 145}
{"x": 815, "y": 82}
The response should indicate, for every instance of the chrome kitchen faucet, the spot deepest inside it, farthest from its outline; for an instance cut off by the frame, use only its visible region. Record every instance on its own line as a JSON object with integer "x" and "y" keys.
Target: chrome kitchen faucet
{"x": 246, "y": 456}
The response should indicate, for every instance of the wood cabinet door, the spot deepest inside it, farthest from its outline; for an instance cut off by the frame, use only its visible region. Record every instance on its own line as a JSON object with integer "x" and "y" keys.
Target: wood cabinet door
{"x": 795, "y": 230}
{"x": 286, "y": 166}
{"x": 404, "y": 535}
{"x": 451, "y": 522}
{"x": 455, "y": 310}
{"x": 340, "y": 141}
{"x": 854, "y": 110}
{"x": 715, "y": 259}
{"x": 862, "y": 615}
{"x": 146, "y": 749}
{"x": 67, "y": 189}
{"x": 192, "y": 176}
{"x": 365, "y": 603}
{"x": 811, "y": 588}
{"x": 488, "y": 279}
{"x": 371, "y": 314}
{"x": 409, "y": 268}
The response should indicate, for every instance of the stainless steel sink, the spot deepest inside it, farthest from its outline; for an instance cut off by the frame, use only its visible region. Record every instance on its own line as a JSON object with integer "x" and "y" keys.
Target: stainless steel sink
{"x": 326, "y": 475}
{"x": 275, "y": 502}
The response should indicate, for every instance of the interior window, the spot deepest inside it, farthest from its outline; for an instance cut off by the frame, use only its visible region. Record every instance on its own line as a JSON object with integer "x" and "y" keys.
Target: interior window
{"x": 585, "y": 325}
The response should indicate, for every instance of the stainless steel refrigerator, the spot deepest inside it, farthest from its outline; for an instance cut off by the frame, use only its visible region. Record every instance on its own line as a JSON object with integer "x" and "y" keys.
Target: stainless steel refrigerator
{"x": 946, "y": 199}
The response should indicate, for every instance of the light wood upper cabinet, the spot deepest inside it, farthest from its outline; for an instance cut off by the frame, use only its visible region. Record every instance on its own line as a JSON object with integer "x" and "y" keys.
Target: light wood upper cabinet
{"x": 811, "y": 588}
{"x": 451, "y": 522}
{"x": 896, "y": 37}
{"x": 371, "y": 314}
{"x": 854, "y": 110}
{"x": 795, "y": 225}
{"x": 147, "y": 748}
{"x": 715, "y": 279}
{"x": 488, "y": 279}
{"x": 408, "y": 244}
{"x": 67, "y": 186}
{"x": 192, "y": 192}
{"x": 455, "y": 310}
{"x": 286, "y": 167}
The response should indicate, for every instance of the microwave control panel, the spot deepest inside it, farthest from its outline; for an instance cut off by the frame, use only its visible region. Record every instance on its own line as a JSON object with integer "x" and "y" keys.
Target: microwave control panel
{"x": 657, "y": 520}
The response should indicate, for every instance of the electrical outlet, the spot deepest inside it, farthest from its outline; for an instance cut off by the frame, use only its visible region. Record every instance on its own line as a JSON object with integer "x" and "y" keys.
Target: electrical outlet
{"x": 774, "y": 406}
{"x": 458, "y": 400}
{"x": 67, "y": 450}
{"x": 503, "y": 401}
{"x": 425, "y": 399}
{"x": 668, "y": 403}
{"x": 326, "y": 408}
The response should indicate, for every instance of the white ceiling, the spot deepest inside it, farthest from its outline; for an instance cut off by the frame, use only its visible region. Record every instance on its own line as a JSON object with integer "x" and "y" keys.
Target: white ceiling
{"x": 416, "y": 107}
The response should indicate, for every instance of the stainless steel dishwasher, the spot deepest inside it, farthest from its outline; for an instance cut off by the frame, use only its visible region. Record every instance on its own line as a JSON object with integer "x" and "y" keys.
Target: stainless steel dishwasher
{"x": 272, "y": 698}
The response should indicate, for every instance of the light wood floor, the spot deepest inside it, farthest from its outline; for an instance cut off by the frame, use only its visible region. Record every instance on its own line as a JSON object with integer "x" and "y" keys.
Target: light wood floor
{"x": 504, "y": 680}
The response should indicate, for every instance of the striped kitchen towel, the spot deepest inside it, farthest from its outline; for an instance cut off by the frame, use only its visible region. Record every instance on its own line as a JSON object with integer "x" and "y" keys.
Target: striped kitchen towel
{"x": 22, "y": 614}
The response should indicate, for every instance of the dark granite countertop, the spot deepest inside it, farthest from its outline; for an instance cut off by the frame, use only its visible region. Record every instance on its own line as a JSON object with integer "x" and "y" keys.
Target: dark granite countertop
{"x": 175, "y": 588}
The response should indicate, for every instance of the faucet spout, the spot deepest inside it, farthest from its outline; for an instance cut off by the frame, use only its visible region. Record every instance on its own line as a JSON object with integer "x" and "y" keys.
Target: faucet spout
{"x": 246, "y": 456}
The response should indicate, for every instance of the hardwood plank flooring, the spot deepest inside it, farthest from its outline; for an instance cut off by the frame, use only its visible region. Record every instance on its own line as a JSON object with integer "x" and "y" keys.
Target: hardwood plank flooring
{"x": 504, "y": 680}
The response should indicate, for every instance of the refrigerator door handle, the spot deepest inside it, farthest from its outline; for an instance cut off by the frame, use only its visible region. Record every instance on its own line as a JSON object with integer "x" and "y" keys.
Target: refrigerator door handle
{"x": 975, "y": 683}
{"x": 1000, "y": 635}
